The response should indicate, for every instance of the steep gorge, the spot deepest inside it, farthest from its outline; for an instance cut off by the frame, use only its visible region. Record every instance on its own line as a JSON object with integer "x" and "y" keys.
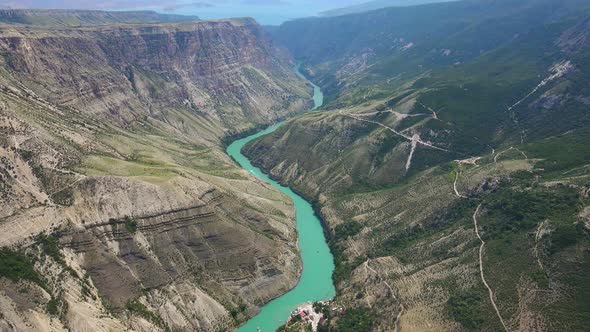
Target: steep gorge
{"x": 117, "y": 199}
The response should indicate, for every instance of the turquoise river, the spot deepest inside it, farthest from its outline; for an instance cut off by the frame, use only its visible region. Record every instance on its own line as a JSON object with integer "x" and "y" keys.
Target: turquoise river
{"x": 318, "y": 264}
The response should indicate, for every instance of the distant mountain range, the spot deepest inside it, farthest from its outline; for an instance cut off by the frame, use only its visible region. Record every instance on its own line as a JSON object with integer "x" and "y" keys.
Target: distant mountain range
{"x": 77, "y": 18}
{"x": 377, "y": 4}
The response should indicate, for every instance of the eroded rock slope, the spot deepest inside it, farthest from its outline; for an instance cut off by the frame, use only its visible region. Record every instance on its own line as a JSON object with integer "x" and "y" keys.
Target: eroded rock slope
{"x": 118, "y": 207}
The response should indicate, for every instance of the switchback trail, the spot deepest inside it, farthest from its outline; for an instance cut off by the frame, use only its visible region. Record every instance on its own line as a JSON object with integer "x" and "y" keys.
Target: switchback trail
{"x": 509, "y": 149}
{"x": 414, "y": 140}
{"x": 411, "y": 139}
{"x": 483, "y": 279}
{"x": 401, "y": 311}
{"x": 455, "y": 186}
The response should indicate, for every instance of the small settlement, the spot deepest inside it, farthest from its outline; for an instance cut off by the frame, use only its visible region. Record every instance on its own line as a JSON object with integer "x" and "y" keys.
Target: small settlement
{"x": 313, "y": 313}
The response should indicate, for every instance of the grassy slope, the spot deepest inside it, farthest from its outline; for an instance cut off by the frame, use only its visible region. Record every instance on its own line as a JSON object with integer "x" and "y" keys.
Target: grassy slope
{"x": 411, "y": 228}
{"x": 334, "y": 48}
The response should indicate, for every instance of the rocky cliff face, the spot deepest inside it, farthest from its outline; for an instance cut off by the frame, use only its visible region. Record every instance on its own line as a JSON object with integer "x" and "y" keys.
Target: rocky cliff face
{"x": 223, "y": 69}
{"x": 119, "y": 208}
{"x": 78, "y": 18}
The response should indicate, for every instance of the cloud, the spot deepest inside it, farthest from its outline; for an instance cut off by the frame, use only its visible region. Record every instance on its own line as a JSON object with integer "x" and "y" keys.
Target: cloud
{"x": 169, "y": 5}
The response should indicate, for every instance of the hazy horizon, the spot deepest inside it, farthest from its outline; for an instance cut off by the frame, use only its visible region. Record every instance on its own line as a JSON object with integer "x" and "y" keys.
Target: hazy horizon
{"x": 270, "y": 12}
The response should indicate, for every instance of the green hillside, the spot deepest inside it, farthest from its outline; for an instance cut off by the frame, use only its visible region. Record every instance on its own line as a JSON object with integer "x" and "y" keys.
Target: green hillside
{"x": 376, "y": 52}
{"x": 376, "y": 4}
{"x": 481, "y": 124}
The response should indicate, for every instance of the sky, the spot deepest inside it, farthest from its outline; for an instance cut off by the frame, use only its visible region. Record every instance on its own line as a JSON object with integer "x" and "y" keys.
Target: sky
{"x": 264, "y": 11}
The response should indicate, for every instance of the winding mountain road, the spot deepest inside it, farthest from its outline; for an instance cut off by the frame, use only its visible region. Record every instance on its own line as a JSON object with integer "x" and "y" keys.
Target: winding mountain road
{"x": 411, "y": 139}
{"x": 455, "y": 186}
{"x": 509, "y": 149}
{"x": 483, "y": 279}
{"x": 415, "y": 140}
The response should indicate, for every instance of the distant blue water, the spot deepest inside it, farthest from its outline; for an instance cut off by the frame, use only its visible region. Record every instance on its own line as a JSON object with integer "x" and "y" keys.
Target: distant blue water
{"x": 266, "y": 12}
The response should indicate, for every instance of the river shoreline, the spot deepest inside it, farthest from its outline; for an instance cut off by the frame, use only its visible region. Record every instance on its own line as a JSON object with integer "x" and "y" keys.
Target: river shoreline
{"x": 315, "y": 281}
{"x": 311, "y": 200}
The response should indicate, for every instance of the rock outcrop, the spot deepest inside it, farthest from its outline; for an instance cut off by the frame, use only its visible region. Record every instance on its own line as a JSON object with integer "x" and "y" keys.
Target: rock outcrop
{"x": 115, "y": 183}
{"x": 79, "y": 18}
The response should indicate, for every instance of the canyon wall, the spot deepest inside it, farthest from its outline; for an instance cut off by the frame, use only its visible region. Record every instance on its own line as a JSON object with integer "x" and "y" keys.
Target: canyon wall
{"x": 118, "y": 206}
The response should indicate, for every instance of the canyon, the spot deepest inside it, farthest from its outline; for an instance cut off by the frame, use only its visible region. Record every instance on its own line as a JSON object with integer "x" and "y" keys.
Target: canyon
{"x": 119, "y": 208}
{"x": 447, "y": 165}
